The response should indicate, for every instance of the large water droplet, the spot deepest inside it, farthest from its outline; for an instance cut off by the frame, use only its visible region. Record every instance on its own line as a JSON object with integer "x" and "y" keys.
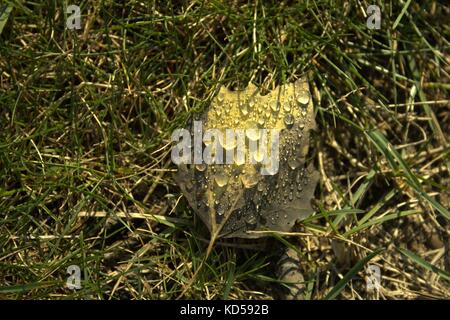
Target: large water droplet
{"x": 226, "y": 142}
{"x": 253, "y": 133}
{"x": 293, "y": 163}
{"x": 221, "y": 179}
{"x": 249, "y": 179}
{"x": 289, "y": 120}
{"x": 275, "y": 106}
{"x": 220, "y": 210}
{"x": 303, "y": 98}
{"x": 244, "y": 108}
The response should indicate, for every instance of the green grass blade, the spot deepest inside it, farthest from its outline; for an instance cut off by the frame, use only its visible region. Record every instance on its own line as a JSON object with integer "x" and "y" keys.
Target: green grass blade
{"x": 5, "y": 10}
{"x": 420, "y": 261}
{"x": 402, "y": 13}
{"x": 398, "y": 165}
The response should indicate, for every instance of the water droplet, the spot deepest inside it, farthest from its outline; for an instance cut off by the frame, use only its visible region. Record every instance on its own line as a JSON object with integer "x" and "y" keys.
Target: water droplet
{"x": 239, "y": 160}
{"x": 220, "y": 210}
{"x": 271, "y": 169}
{"x": 275, "y": 106}
{"x": 291, "y": 196}
{"x": 261, "y": 121}
{"x": 249, "y": 179}
{"x": 220, "y": 98}
{"x": 251, "y": 221}
{"x": 260, "y": 187}
{"x": 258, "y": 155}
{"x": 293, "y": 163}
{"x": 289, "y": 120}
{"x": 200, "y": 167}
{"x": 287, "y": 107}
{"x": 244, "y": 109}
{"x": 253, "y": 133}
{"x": 303, "y": 98}
{"x": 221, "y": 179}
{"x": 226, "y": 142}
